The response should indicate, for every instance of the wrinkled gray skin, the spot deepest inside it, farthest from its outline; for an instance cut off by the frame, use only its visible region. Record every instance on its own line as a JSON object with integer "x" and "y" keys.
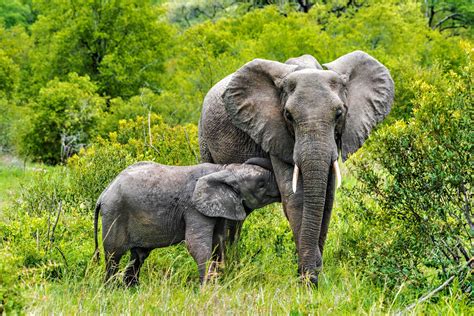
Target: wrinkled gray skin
{"x": 149, "y": 206}
{"x": 297, "y": 113}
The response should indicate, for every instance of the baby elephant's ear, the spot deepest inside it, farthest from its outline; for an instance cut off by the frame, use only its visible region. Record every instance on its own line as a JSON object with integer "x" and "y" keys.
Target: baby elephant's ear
{"x": 215, "y": 195}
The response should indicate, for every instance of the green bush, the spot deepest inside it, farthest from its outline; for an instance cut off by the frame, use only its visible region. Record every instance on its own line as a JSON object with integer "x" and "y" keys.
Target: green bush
{"x": 411, "y": 207}
{"x": 63, "y": 118}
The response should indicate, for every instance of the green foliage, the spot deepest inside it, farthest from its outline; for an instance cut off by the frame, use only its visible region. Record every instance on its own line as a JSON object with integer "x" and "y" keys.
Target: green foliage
{"x": 6, "y": 121}
{"x": 411, "y": 208}
{"x": 121, "y": 45}
{"x": 140, "y": 105}
{"x": 14, "y": 49}
{"x": 15, "y": 12}
{"x": 9, "y": 75}
{"x": 452, "y": 15}
{"x": 63, "y": 119}
{"x": 207, "y": 52}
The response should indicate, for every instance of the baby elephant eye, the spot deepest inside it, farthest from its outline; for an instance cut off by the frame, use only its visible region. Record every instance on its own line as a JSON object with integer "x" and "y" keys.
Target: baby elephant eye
{"x": 338, "y": 113}
{"x": 288, "y": 116}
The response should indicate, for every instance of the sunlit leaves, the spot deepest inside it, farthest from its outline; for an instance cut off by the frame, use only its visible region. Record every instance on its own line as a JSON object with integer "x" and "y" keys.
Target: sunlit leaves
{"x": 121, "y": 45}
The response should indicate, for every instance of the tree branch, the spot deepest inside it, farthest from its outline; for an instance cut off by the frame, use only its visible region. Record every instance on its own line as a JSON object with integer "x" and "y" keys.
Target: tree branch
{"x": 455, "y": 26}
{"x": 451, "y": 16}
{"x": 305, "y": 5}
{"x": 427, "y": 296}
{"x": 439, "y": 288}
{"x": 467, "y": 207}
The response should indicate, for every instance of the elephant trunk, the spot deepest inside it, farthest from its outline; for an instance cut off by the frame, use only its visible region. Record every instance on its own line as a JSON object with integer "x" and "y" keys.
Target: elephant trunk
{"x": 315, "y": 167}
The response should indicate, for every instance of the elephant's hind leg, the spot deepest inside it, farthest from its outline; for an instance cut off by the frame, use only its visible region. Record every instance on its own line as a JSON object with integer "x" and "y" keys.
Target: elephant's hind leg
{"x": 112, "y": 260}
{"x": 138, "y": 256}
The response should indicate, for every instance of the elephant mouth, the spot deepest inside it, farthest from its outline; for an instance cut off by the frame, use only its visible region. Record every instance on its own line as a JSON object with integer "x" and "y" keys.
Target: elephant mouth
{"x": 247, "y": 209}
{"x": 335, "y": 168}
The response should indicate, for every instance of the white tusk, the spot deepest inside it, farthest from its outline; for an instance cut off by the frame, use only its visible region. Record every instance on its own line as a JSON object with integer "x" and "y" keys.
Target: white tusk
{"x": 296, "y": 171}
{"x": 335, "y": 165}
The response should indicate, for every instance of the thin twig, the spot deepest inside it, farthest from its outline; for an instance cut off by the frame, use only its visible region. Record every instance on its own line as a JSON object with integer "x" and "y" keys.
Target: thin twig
{"x": 62, "y": 255}
{"x": 451, "y": 16}
{"x": 51, "y": 239}
{"x": 37, "y": 239}
{"x": 149, "y": 127}
{"x": 467, "y": 207}
{"x": 439, "y": 288}
{"x": 427, "y": 296}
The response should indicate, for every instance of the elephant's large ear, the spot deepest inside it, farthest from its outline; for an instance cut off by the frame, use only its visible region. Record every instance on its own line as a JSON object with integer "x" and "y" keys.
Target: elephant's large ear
{"x": 215, "y": 195}
{"x": 370, "y": 93}
{"x": 304, "y": 62}
{"x": 253, "y": 101}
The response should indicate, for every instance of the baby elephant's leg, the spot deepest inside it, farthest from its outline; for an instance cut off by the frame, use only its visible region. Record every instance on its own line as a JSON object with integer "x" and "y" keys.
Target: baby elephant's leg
{"x": 112, "y": 260}
{"x": 218, "y": 241}
{"x": 199, "y": 233}
{"x": 138, "y": 256}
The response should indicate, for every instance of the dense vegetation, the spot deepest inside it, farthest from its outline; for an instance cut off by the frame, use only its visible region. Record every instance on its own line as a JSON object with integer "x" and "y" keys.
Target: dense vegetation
{"x": 93, "y": 86}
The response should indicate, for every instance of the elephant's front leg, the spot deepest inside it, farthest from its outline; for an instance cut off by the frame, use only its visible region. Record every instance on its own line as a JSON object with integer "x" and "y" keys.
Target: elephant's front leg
{"x": 219, "y": 243}
{"x": 292, "y": 201}
{"x": 198, "y": 236}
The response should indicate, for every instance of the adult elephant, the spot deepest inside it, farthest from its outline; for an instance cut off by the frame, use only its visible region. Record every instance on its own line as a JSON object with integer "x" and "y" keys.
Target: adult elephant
{"x": 301, "y": 116}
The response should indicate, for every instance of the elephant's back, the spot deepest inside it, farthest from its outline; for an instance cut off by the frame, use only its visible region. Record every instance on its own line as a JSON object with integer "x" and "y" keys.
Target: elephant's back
{"x": 219, "y": 140}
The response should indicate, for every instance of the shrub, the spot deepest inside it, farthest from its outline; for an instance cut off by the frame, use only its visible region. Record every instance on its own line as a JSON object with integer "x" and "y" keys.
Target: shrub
{"x": 63, "y": 118}
{"x": 411, "y": 209}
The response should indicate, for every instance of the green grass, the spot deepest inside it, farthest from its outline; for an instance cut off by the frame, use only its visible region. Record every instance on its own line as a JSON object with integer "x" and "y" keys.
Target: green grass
{"x": 10, "y": 175}
{"x": 37, "y": 279}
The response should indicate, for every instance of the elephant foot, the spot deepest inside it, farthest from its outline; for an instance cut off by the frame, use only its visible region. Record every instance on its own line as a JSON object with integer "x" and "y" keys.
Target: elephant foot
{"x": 310, "y": 278}
{"x": 212, "y": 271}
{"x": 131, "y": 281}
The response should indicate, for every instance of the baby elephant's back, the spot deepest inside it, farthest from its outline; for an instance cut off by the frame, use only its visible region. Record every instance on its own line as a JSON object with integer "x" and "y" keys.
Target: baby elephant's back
{"x": 149, "y": 186}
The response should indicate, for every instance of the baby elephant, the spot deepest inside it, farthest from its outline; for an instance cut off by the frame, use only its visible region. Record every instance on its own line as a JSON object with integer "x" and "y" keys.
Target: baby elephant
{"x": 149, "y": 206}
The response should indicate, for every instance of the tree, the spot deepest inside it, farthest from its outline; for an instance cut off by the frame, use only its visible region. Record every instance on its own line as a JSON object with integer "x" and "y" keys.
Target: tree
{"x": 14, "y": 12}
{"x": 121, "y": 45}
{"x": 449, "y": 14}
{"x": 62, "y": 120}
{"x": 187, "y": 13}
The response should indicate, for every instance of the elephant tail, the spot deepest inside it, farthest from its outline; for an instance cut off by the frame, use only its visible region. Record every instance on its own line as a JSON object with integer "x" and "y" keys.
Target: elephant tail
{"x": 96, "y": 255}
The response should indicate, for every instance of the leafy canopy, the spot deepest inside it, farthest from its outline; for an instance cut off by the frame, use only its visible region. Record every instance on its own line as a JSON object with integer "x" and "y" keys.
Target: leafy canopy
{"x": 121, "y": 45}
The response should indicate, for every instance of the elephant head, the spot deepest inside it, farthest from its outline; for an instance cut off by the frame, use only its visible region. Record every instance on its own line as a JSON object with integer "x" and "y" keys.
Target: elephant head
{"x": 234, "y": 192}
{"x": 306, "y": 116}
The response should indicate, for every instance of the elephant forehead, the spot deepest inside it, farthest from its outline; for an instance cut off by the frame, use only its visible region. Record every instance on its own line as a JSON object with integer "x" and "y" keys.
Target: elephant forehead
{"x": 313, "y": 78}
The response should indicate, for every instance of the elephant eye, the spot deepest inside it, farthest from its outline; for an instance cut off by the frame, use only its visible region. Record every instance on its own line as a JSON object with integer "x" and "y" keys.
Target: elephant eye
{"x": 288, "y": 116}
{"x": 338, "y": 113}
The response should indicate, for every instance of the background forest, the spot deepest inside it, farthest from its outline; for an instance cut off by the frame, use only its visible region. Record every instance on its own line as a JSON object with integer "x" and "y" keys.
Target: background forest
{"x": 88, "y": 87}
